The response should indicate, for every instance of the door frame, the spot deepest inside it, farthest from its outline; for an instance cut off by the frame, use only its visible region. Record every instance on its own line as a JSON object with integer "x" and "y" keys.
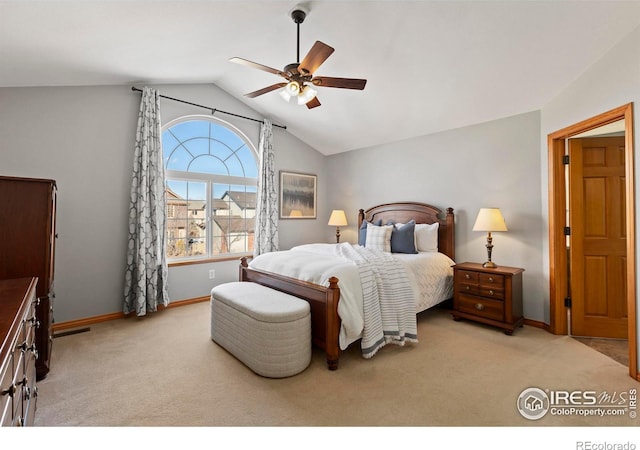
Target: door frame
{"x": 558, "y": 276}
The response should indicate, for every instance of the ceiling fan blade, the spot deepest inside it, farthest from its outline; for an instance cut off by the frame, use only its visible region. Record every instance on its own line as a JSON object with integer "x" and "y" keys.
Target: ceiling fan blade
{"x": 344, "y": 83}
{"x": 246, "y": 62}
{"x": 313, "y": 103}
{"x": 273, "y": 87}
{"x": 316, "y": 56}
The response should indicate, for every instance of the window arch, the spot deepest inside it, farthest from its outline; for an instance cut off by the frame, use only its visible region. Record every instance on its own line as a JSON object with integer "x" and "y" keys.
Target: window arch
{"x": 211, "y": 178}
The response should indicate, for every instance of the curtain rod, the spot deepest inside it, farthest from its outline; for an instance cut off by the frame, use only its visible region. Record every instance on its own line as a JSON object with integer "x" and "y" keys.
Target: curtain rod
{"x": 213, "y": 110}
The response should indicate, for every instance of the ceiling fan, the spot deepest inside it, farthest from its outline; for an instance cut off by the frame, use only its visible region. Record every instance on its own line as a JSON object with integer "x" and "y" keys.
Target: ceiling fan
{"x": 301, "y": 82}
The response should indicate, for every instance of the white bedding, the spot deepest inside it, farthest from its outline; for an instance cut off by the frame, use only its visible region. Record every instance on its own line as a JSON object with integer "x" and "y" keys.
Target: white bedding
{"x": 430, "y": 275}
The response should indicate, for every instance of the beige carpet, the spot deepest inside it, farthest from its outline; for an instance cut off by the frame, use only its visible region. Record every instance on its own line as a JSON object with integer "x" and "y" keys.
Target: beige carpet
{"x": 164, "y": 371}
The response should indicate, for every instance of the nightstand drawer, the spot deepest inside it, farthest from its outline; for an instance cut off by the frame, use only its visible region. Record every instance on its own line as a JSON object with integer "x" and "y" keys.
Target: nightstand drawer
{"x": 464, "y": 288}
{"x": 467, "y": 276}
{"x": 491, "y": 279}
{"x": 483, "y": 307}
{"x": 495, "y": 293}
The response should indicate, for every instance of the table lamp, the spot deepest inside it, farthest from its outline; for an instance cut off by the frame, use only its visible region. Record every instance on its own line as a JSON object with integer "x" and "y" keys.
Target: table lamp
{"x": 489, "y": 219}
{"x": 338, "y": 219}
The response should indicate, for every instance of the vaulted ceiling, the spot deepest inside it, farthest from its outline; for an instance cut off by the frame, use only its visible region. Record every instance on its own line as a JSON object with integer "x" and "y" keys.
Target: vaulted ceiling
{"x": 430, "y": 65}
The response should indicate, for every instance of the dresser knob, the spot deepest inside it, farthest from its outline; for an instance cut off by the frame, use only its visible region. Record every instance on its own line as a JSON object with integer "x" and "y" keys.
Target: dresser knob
{"x": 466, "y": 275}
{"x": 490, "y": 291}
{"x": 491, "y": 279}
{"x": 479, "y": 306}
{"x": 467, "y": 288}
{"x": 9, "y": 391}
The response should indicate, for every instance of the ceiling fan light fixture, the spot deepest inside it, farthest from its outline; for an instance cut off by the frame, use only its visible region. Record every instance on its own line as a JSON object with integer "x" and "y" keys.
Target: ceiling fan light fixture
{"x": 307, "y": 94}
{"x": 285, "y": 95}
{"x": 292, "y": 88}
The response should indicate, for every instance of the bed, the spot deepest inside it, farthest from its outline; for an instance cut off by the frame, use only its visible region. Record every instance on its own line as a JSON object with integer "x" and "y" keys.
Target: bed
{"x": 329, "y": 319}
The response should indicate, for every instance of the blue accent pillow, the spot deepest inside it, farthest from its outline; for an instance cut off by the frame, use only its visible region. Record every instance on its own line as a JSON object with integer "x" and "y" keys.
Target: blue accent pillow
{"x": 362, "y": 234}
{"x": 403, "y": 239}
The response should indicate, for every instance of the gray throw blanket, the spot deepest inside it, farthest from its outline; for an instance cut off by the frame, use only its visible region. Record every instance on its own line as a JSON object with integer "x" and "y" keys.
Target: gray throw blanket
{"x": 389, "y": 303}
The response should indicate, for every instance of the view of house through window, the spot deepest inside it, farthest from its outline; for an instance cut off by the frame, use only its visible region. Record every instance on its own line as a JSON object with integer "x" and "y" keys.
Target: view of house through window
{"x": 211, "y": 184}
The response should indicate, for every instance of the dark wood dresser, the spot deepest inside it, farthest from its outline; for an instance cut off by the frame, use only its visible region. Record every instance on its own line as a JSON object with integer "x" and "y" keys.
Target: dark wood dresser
{"x": 489, "y": 295}
{"x": 27, "y": 227}
{"x": 18, "y": 352}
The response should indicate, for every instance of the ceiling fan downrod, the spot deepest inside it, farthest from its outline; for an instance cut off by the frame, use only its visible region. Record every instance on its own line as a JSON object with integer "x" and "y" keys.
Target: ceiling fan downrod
{"x": 298, "y": 16}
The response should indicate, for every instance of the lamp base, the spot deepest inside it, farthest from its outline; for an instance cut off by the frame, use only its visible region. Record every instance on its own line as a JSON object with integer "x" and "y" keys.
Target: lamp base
{"x": 489, "y": 265}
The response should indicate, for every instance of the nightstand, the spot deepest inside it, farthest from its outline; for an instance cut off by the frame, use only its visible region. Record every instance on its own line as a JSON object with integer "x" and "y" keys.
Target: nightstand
{"x": 489, "y": 295}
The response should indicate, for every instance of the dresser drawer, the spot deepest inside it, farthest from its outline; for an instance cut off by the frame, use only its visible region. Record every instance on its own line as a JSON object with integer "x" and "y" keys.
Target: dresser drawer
{"x": 6, "y": 411}
{"x": 482, "y": 307}
{"x": 6, "y": 381}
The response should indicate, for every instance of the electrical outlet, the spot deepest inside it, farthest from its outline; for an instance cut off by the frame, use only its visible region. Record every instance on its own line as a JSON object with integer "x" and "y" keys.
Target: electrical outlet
{"x": 212, "y": 274}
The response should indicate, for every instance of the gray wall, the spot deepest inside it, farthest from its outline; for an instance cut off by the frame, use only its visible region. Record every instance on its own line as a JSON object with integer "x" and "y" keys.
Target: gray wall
{"x": 83, "y": 137}
{"x": 491, "y": 164}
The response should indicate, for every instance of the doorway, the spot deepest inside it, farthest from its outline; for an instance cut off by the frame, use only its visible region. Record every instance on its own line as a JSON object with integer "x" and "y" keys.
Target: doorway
{"x": 564, "y": 297}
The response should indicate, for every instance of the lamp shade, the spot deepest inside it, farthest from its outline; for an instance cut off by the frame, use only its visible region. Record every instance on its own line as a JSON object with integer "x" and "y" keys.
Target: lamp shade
{"x": 338, "y": 218}
{"x": 490, "y": 219}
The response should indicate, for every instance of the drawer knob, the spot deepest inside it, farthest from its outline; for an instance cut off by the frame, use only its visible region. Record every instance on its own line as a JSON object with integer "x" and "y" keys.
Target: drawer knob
{"x": 466, "y": 275}
{"x": 479, "y": 306}
{"x": 9, "y": 391}
{"x": 491, "y": 279}
{"x": 467, "y": 288}
{"x": 490, "y": 291}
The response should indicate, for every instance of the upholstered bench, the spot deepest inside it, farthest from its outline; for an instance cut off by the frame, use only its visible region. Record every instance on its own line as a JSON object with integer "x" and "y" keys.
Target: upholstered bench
{"x": 268, "y": 330}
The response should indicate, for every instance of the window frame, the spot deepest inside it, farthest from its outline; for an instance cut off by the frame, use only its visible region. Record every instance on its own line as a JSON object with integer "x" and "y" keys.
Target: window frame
{"x": 210, "y": 180}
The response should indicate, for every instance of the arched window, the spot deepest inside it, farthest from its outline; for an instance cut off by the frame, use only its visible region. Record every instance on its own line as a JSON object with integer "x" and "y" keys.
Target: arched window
{"x": 211, "y": 174}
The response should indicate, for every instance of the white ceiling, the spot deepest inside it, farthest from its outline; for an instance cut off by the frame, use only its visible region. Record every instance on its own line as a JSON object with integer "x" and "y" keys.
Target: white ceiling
{"x": 430, "y": 65}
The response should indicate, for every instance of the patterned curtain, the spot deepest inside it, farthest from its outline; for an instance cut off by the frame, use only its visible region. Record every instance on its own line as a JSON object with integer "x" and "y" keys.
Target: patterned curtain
{"x": 266, "y": 230}
{"x": 146, "y": 275}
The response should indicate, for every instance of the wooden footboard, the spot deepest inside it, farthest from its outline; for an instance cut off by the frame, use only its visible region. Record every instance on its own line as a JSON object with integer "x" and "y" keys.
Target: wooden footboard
{"x": 325, "y": 322}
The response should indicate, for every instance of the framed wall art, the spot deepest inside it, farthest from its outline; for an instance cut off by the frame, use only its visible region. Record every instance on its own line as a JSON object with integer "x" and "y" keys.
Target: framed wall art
{"x": 298, "y": 193}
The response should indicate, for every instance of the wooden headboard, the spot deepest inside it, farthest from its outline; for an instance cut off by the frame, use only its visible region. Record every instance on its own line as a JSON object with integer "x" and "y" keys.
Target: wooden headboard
{"x": 402, "y": 212}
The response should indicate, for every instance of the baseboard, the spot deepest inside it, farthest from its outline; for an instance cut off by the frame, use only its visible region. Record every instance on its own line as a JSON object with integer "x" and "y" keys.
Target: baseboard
{"x": 536, "y": 324}
{"x": 81, "y": 323}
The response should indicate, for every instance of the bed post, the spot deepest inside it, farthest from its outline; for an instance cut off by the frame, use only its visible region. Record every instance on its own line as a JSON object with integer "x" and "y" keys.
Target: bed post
{"x": 332, "y": 336}
{"x": 243, "y": 265}
{"x": 450, "y": 227}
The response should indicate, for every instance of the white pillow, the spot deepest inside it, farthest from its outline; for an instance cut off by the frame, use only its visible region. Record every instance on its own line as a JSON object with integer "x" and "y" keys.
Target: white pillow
{"x": 379, "y": 237}
{"x": 427, "y": 237}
